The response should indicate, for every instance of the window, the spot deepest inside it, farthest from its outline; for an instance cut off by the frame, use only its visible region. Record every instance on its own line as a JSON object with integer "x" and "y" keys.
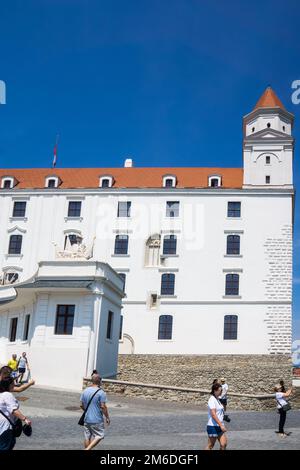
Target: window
{"x": 269, "y": 124}
{"x": 13, "y": 330}
{"x": 233, "y": 245}
{"x": 169, "y": 181}
{"x": 64, "y": 319}
{"x": 283, "y": 128}
{"x": 268, "y": 179}
{"x": 51, "y": 183}
{"x": 124, "y": 209}
{"x": 165, "y": 327}
{"x": 26, "y": 328}
{"x": 214, "y": 181}
{"x": 74, "y": 209}
{"x": 15, "y": 245}
{"x": 7, "y": 184}
{"x": 106, "y": 181}
{"x": 234, "y": 209}
{"x": 109, "y": 325}
{"x": 268, "y": 160}
{"x": 19, "y": 209}
{"x": 167, "y": 284}
{"x": 121, "y": 327}
{"x": 232, "y": 284}
{"x": 123, "y": 276}
{"x": 170, "y": 244}
{"x": 230, "y": 326}
{"x": 253, "y": 129}
{"x": 172, "y": 209}
{"x": 121, "y": 245}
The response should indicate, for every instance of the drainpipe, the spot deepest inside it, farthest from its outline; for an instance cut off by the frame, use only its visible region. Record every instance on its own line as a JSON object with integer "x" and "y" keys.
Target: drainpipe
{"x": 94, "y": 334}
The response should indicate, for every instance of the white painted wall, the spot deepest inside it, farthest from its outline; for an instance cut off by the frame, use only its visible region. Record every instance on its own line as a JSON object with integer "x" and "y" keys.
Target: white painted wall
{"x": 59, "y": 360}
{"x": 199, "y": 266}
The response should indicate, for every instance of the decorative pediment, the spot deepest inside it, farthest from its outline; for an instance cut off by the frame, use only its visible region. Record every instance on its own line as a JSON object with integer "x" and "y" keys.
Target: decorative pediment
{"x": 16, "y": 229}
{"x": 269, "y": 134}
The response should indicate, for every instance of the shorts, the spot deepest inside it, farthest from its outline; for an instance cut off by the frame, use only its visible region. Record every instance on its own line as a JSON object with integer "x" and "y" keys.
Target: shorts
{"x": 223, "y": 401}
{"x": 22, "y": 370}
{"x": 93, "y": 430}
{"x": 214, "y": 431}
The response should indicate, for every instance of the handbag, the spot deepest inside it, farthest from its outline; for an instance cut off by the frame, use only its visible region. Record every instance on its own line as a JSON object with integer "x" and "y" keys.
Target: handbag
{"x": 81, "y": 420}
{"x": 286, "y": 407}
{"x": 17, "y": 426}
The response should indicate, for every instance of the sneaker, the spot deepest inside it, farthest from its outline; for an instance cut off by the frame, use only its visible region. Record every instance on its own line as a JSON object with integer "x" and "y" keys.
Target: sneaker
{"x": 227, "y": 419}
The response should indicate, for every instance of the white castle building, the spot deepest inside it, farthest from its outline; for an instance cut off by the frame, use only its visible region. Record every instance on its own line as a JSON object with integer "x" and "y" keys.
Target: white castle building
{"x": 204, "y": 256}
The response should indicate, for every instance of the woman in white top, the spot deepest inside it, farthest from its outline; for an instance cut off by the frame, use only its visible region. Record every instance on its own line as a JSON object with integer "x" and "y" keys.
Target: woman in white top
{"x": 280, "y": 396}
{"x": 9, "y": 412}
{"x": 215, "y": 425}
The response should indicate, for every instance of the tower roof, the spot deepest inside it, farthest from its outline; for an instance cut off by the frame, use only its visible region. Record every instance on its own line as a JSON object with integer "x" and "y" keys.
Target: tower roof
{"x": 269, "y": 99}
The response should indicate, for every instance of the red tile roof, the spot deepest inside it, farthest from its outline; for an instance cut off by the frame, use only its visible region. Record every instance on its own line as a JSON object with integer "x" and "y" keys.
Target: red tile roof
{"x": 84, "y": 178}
{"x": 269, "y": 99}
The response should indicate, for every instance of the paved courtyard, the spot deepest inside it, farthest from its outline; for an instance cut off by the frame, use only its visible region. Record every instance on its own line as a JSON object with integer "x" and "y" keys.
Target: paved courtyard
{"x": 146, "y": 424}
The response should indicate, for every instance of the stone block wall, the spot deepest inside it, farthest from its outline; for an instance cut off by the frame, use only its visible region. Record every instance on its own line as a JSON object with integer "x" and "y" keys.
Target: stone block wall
{"x": 252, "y": 374}
{"x": 278, "y": 287}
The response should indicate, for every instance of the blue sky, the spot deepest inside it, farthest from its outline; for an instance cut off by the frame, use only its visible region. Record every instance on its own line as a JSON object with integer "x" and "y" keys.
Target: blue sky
{"x": 164, "y": 81}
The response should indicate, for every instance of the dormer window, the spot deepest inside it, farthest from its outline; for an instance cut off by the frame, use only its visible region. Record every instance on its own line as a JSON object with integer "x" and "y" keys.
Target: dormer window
{"x": 52, "y": 182}
{"x": 169, "y": 181}
{"x": 269, "y": 124}
{"x": 214, "y": 181}
{"x": 106, "y": 181}
{"x": 8, "y": 182}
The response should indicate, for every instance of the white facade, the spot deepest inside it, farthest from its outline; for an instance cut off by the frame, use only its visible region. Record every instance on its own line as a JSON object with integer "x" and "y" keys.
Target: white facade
{"x": 261, "y": 299}
{"x": 62, "y": 360}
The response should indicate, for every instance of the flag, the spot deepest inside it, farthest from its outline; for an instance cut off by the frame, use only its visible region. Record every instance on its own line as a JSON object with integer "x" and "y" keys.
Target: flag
{"x": 55, "y": 154}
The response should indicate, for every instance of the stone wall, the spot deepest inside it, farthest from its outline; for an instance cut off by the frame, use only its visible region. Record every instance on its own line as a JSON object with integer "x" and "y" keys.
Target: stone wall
{"x": 278, "y": 287}
{"x": 255, "y": 374}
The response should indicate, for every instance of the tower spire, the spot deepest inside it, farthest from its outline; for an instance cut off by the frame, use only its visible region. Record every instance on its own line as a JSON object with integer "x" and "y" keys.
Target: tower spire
{"x": 269, "y": 99}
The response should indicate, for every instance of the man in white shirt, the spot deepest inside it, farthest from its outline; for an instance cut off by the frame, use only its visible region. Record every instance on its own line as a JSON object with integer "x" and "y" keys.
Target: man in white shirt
{"x": 223, "y": 398}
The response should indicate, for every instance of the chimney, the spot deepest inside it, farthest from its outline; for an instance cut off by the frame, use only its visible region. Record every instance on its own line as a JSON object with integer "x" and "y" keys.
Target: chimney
{"x": 128, "y": 163}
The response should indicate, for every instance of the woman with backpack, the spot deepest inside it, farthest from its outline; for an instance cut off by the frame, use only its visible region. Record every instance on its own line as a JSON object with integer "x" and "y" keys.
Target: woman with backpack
{"x": 282, "y": 406}
{"x": 11, "y": 418}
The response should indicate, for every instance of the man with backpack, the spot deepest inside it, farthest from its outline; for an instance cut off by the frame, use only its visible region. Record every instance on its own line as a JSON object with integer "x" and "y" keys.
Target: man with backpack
{"x": 93, "y": 402}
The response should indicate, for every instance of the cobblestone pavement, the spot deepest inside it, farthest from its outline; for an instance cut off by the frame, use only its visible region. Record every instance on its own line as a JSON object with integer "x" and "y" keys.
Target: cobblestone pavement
{"x": 146, "y": 424}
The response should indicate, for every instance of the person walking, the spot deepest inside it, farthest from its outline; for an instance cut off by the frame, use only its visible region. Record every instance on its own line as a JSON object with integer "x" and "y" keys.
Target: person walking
{"x": 282, "y": 406}
{"x": 9, "y": 412}
{"x": 223, "y": 398}
{"x": 215, "y": 425}
{"x": 13, "y": 364}
{"x": 22, "y": 366}
{"x": 93, "y": 402}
